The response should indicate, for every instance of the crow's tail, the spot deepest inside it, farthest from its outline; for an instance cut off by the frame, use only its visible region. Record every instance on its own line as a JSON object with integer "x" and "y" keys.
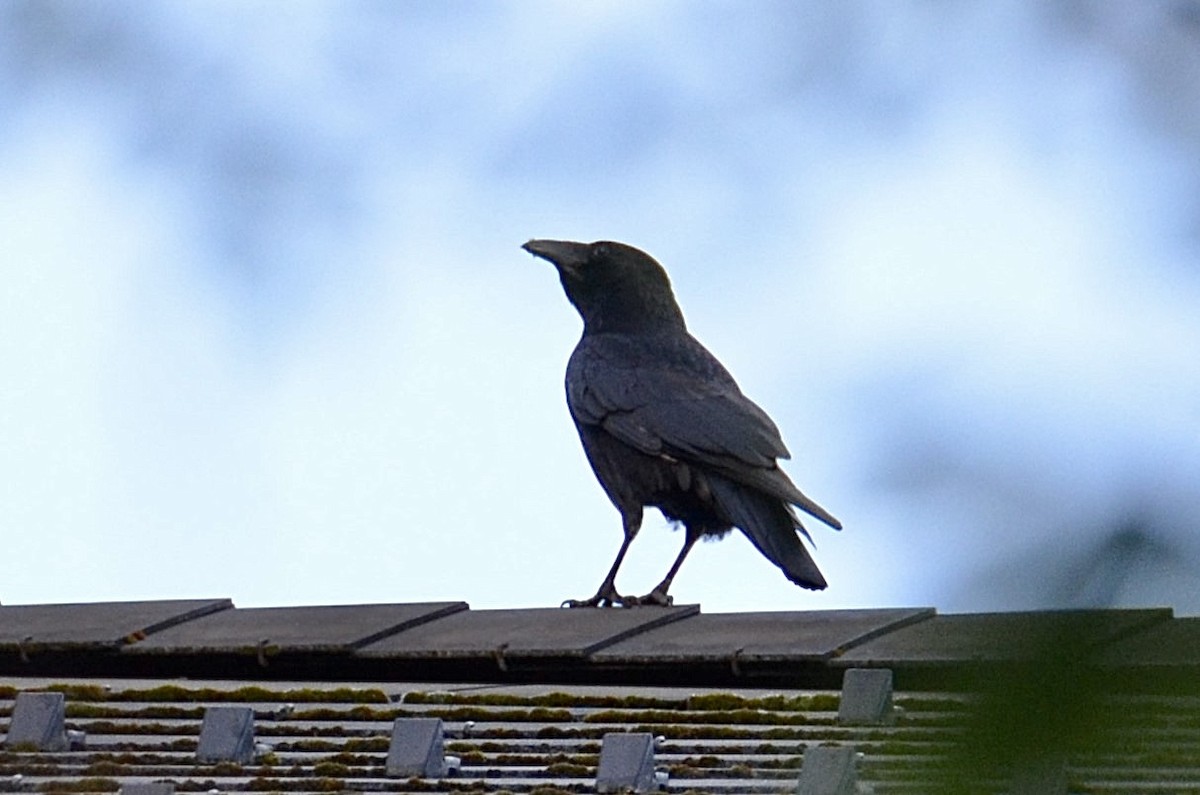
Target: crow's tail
{"x": 771, "y": 526}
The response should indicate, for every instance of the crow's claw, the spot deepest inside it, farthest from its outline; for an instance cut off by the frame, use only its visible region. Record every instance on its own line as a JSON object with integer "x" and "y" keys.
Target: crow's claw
{"x": 655, "y": 597}
{"x": 607, "y": 596}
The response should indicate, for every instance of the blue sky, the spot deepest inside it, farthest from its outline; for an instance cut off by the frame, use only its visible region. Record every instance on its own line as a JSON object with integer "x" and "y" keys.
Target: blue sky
{"x": 268, "y": 333}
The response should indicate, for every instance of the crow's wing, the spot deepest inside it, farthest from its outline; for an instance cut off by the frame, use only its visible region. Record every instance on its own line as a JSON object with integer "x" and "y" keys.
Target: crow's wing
{"x": 670, "y": 396}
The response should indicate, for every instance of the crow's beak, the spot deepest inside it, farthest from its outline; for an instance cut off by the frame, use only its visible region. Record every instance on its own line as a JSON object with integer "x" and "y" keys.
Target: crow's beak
{"x": 564, "y": 254}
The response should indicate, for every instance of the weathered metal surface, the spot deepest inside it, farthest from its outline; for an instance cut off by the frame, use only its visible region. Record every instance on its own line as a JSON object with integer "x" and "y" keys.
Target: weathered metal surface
{"x": 866, "y": 697}
{"x": 28, "y": 629}
{"x": 37, "y": 722}
{"x": 539, "y": 632}
{"x": 626, "y": 763}
{"x": 292, "y": 629}
{"x": 1167, "y": 644}
{"x": 811, "y": 636}
{"x": 523, "y": 738}
{"x": 417, "y": 748}
{"x": 226, "y": 735}
{"x": 1001, "y": 637}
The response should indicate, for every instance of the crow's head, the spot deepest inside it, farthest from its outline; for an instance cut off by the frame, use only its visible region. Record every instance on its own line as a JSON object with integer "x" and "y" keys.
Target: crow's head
{"x": 615, "y": 287}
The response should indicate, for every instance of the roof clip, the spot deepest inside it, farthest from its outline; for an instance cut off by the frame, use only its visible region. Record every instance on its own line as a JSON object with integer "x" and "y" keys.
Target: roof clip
{"x": 866, "y": 697}
{"x": 417, "y": 749}
{"x": 38, "y": 722}
{"x": 227, "y": 735}
{"x": 23, "y": 647}
{"x": 829, "y": 770}
{"x": 627, "y": 763}
{"x": 734, "y": 667}
{"x": 261, "y": 652}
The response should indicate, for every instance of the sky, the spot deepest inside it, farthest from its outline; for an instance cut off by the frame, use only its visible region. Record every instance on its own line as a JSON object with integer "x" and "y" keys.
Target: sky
{"x": 267, "y": 333}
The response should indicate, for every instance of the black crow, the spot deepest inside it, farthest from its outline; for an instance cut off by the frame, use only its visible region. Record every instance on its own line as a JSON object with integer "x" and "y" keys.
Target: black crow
{"x": 664, "y": 424}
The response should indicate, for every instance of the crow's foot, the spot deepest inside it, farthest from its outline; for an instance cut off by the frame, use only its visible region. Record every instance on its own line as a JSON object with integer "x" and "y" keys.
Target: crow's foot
{"x": 656, "y": 597}
{"x": 607, "y": 596}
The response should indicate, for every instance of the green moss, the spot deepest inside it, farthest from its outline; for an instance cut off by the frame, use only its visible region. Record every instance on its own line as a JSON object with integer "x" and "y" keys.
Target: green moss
{"x": 720, "y": 717}
{"x": 344, "y": 758}
{"x": 790, "y": 734}
{"x": 27, "y": 769}
{"x": 894, "y": 748}
{"x": 109, "y": 727}
{"x": 728, "y": 702}
{"x": 743, "y": 771}
{"x": 676, "y": 732}
{"x": 74, "y": 692}
{"x": 354, "y": 713}
{"x": 24, "y": 748}
{"x": 311, "y": 746}
{"x": 535, "y": 714}
{"x": 252, "y": 693}
{"x": 553, "y": 700}
{"x": 569, "y": 769}
{"x": 74, "y": 710}
{"x": 570, "y": 760}
{"x": 262, "y": 784}
{"x": 782, "y": 763}
{"x": 560, "y": 733}
{"x": 683, "y": 770}
{"x": 331, "y": 770}
{"x": 931, "y": 704}
{"x": 81, "y": 785}
{"x": 724, "y": 701}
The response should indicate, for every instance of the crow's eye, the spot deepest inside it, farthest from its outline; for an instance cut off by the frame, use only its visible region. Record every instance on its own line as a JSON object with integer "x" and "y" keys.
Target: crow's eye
{"x": 599, "y": 252}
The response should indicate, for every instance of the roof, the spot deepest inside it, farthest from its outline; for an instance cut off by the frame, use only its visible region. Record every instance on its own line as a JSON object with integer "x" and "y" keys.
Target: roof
{"x": 738, "y": 701}
{"x": 447, "y": 641}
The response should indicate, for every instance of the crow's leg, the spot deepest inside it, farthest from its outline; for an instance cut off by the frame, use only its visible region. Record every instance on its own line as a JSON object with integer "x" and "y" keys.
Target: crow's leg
{"x": 607, "y": 596}
{"x": 659, "y": 595}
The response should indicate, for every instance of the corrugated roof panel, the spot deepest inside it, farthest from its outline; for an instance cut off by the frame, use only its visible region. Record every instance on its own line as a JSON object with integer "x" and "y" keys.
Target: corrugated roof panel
{"x": 100, "y": 624}
{"x": 999, "y": 637}
{"x": 523, "y": 739}
{"x": 444, "y": 641}
{"x": 799, "y": 636}
{"x": 539, "y": 632}
{"x": 1167, "y": 644}
{"x": 293, "y": 629}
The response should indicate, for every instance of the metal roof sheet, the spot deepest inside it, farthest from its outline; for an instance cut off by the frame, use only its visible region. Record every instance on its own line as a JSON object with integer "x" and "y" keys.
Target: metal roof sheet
{"x": 1000, "y": 637}
{"x": 800, "y": 636}
{"x": 538, "y": 632}
{"x": 102, "y": 624}
{"x": 1173, "y": 643}
{"x": 293, "y": 629}
{"x": 1069, "y": 695}
{"x": 446, "y": 641}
